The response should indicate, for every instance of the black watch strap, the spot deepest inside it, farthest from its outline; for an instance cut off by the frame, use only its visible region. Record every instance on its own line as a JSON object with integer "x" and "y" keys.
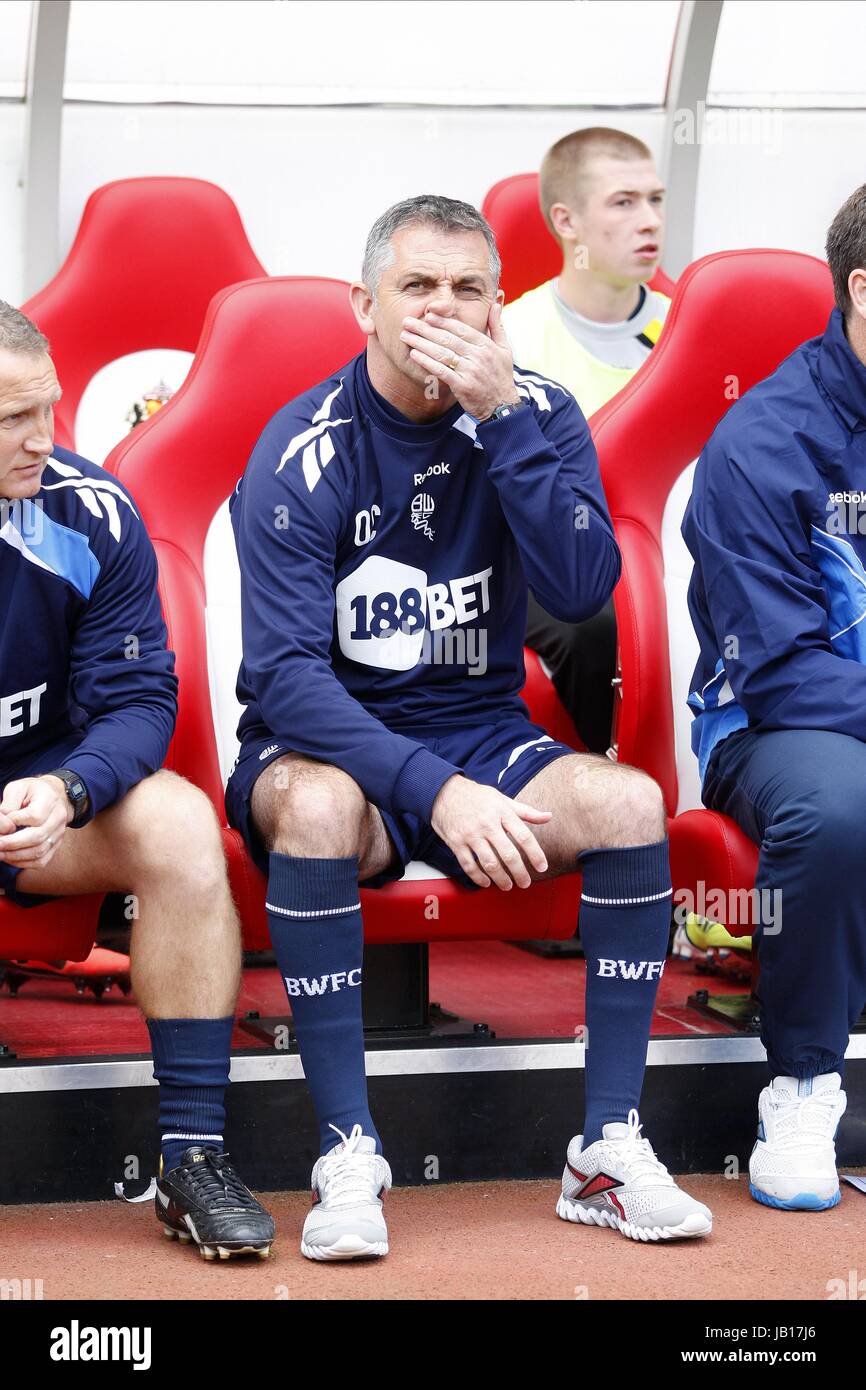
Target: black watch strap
{"x": 502, "y": 411}
{"x": 76, "y": 792}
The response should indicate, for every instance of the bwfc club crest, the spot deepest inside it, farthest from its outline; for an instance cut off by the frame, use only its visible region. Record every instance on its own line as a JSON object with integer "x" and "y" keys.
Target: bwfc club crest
{"x": 420, "y": 513}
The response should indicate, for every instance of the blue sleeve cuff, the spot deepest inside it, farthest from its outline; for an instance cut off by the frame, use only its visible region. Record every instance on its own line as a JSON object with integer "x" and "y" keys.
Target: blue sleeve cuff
{"x": 516, "y": 437}
{"x": 99, "y": 779}
{"x": 419, "y": 782}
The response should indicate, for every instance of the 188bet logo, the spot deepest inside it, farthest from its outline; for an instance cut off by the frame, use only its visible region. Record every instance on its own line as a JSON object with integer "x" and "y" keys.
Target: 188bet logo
{"x": 386, "y": 613}
{"x": 384, "y": 608}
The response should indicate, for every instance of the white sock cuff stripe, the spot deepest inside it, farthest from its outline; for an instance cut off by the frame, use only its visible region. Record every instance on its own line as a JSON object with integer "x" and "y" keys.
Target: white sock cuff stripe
{"x": 627, "y": 902}
{"x": 313, "y": 912}
{"x": 199, "y": 1137}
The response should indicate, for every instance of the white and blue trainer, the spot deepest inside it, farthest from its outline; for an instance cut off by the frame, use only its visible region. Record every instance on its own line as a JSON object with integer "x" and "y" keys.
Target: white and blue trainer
{"x": 793, "y": 1163}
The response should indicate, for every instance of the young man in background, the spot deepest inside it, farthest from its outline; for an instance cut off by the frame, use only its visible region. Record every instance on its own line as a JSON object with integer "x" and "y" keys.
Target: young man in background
{"x": 590, "y": 329}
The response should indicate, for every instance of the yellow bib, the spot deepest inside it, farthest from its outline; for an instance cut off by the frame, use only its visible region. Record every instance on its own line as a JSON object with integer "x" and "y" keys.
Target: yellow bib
{"x": 542, "y": 343}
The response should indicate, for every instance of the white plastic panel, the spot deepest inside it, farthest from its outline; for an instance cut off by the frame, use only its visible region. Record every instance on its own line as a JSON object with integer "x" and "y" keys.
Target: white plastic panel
{"x": 108, "y": 398}
{"x": 750, "y": 193}
{"x": 12, "y": 122}
{"x": 14, "y": 34}
{"x": 354, "y": 162}
{"x": 803, "y": 54}
{"x": 359, "y": 51}
{"x": 682, "y": 640}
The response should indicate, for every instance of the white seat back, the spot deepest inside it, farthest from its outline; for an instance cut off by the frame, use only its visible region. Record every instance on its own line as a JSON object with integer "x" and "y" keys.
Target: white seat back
{"x": 682, "y": 639}
{"x": 222, "y": 581}
{"x": 102, "y": 418}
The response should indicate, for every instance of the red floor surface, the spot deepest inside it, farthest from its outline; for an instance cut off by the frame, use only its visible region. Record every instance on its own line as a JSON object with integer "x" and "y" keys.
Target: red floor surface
{"x": 469, "y": 1241}
{"x": 518, "y": 994}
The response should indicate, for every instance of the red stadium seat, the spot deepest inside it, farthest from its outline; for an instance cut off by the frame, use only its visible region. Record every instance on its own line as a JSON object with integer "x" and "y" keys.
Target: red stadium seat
{"x": 263, "y": 343}
{"x": 735, "y": 316}
{"x": 529, "y": 253}
{"x": 61, "y": 930}
{"x": 148, "y": 256}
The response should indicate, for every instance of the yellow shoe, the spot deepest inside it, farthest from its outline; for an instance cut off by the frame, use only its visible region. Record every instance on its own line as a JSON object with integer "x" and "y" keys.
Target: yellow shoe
{"x": 704, "y": 934}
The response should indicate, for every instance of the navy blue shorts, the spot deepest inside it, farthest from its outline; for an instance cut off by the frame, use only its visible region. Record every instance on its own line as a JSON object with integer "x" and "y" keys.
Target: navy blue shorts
{"x": 505, "y": 755}
{"x": 54, "y": 755}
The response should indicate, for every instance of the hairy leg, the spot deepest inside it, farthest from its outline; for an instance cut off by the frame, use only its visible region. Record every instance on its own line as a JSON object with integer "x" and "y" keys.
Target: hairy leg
{"x": 310, "y": 809}
{"x": 596, "y": 804}
{"x": 162, "y": 845}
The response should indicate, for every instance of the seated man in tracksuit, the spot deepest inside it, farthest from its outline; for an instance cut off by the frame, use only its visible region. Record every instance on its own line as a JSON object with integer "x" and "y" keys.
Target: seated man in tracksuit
{"x": 387, "y": 526}
{"x": 777, "y": 528}
{"x": 87, "y": 708}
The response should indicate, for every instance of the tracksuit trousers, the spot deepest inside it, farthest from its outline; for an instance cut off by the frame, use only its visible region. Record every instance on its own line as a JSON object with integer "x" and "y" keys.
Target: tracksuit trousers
{"x": 801, "y": 796}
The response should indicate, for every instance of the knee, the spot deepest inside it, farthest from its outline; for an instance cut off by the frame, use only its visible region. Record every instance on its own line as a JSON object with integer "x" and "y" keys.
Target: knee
{"x": 173, "y": 832}
{"x": 321, "y": 815}
{"x": 648, "y": 809}
{"x": 640, "y": 817}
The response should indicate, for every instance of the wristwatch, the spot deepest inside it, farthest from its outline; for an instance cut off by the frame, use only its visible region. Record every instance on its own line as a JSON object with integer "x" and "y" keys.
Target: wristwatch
{"x": 501, "y": 412}
{"x": 76, "y": 793}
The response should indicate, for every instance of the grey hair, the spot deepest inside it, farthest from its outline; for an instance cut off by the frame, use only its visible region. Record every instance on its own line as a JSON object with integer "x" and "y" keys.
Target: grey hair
{"x": 18, "y": 333}
{"x": 427, "y": 209}
{"x": 846, "y": 246}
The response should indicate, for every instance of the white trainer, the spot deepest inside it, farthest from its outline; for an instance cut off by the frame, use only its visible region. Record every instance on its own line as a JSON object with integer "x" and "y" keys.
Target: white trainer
{"x": 619, "y": 1182}
{"x": 793, "y": 1163}
{"x": 346, "y": 1220}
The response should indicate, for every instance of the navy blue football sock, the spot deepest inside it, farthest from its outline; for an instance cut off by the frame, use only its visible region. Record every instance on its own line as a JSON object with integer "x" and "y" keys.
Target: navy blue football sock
{"x": 191, "y": 1058}
{"x": 314, "y": 916}
{"x": 625, "y": 916}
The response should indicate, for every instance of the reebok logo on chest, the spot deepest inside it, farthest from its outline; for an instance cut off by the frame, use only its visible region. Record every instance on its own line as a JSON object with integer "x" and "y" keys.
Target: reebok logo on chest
{"x": 436, "y": 470}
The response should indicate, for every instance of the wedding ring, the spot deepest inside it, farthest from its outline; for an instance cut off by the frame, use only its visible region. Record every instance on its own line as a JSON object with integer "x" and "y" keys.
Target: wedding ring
{"x": 454, "y": 363}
